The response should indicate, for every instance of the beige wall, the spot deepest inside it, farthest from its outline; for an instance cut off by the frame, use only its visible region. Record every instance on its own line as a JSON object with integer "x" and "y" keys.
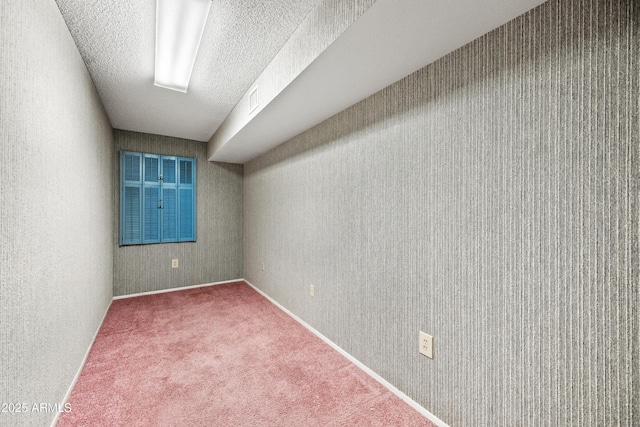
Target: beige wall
{"x": 489, "y": 199}
{"x": 56, "y": 212}
{"x": 217, "y": 253}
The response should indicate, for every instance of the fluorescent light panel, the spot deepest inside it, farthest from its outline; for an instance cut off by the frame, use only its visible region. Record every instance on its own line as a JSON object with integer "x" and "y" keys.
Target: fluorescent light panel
{"x": 179, "y": 28}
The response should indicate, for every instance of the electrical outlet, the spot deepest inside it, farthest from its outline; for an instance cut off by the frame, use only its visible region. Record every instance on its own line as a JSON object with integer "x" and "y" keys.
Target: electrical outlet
{"x": 174, "y": 263}
{"x": 426, "y": 345}
{"x": 312, "y": 290}
{"x": 262, "y": 265}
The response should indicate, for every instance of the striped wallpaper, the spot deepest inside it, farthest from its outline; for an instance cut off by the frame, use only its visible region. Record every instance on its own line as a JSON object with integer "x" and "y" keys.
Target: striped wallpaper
{"x": 491, "y": 200}
{"x": 56, "y": 263}
{"x": 217, "y": 253}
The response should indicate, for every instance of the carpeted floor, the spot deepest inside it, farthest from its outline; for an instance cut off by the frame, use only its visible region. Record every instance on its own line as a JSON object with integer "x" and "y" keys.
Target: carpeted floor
{"x": 222, "y": 356}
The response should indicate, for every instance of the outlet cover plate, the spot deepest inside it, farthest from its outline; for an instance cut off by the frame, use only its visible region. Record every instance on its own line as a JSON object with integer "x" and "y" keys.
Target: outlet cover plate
{"x": 312, "y": 290}
{"x": 174, "y": 263}
{"x": 426, "y": 345}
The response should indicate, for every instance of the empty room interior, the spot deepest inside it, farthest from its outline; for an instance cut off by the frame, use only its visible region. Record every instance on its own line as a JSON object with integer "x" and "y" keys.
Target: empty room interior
{"x": 393, "y": 177}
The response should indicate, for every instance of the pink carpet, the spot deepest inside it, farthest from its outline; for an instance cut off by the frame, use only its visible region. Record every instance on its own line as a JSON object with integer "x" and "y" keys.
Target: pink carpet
{"x": 222, "y": 356}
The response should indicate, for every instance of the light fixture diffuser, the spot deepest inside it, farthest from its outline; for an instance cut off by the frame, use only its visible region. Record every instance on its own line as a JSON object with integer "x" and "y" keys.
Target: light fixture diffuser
{"x": 179, "y": 28}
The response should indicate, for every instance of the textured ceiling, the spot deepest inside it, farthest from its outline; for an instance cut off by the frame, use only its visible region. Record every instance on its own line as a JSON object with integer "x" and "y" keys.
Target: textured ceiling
{"x": 117, "y": 38}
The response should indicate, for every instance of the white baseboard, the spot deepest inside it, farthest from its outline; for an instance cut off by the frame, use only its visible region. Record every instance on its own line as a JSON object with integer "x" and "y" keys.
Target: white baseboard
{"x": 84, "y": 361}
{"x": 162, "y": 291}
{"x": 437, "y": 421}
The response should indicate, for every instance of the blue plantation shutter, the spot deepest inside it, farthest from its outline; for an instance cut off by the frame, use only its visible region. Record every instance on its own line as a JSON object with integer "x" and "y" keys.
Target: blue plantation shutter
{"x": 151, "y": 168}
{"x": 131, "y": 167}
{"x": 169, "y": 200}
{"x": 187, "y": 169}
{"x": 131, "y": 222}
{"x": 130, "y": 198}
{"x": 157, "y": 198}
{"x": 169, "y": 215}
{"x": 152, "y": 202}
{"x": 168, "y": 170}
{"x": 187, "y": 199}
{"x": 187, "y": 215}
{"x": 151, "y": 214}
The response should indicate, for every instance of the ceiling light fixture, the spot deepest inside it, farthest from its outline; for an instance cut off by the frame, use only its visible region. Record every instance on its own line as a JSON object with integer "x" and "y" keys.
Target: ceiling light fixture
{"x": 179, "y": 28}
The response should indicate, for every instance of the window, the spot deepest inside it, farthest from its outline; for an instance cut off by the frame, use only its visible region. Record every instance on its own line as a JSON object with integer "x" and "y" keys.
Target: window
{"x": 157, "y": 198}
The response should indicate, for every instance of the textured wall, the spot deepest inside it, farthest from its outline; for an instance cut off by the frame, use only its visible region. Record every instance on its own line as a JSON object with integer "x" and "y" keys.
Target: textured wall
{"x": 217, "y": 253}
{"x": 490, "y": 199}
{"x": 56, "y": 214}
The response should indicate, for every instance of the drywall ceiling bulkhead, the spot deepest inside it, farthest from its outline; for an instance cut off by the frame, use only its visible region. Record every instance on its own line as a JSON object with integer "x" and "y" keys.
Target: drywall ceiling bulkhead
{"x": 384, "y": 43}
